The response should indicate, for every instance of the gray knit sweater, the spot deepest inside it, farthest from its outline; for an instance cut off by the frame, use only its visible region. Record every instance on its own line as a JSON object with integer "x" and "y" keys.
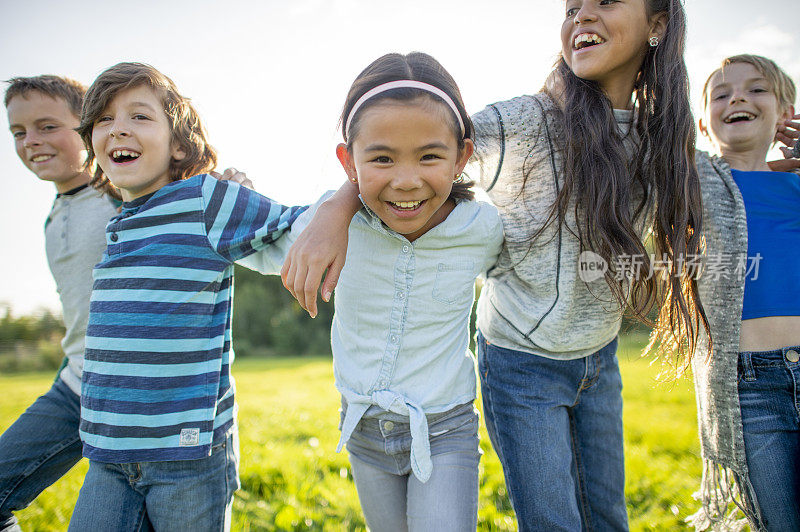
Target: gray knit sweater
{"x": 534, "y": 300}
{"x": 725, "y": 484}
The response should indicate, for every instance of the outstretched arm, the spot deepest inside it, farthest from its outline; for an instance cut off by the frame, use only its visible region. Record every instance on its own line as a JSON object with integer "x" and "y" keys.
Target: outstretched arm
{"x": 322, "y": 245}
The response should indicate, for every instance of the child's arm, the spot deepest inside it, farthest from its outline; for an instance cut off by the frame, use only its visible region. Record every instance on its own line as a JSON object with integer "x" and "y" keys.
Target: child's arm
{"x": 239, "y": 221}
{"x": 322, "y": 245}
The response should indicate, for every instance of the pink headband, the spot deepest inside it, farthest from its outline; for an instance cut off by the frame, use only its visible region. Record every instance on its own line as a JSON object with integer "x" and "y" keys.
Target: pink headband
{"x": 401, "y": 84}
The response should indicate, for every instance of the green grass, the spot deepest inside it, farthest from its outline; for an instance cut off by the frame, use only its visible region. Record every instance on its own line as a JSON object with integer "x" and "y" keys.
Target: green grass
{"x": 293, "y": 480}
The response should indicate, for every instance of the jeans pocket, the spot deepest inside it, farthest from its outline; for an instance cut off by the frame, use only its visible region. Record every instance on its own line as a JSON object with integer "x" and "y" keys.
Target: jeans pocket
{"x": 482, "y": 347}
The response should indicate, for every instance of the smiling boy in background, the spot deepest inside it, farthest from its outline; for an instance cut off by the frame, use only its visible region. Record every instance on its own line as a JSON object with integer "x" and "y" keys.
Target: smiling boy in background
{"x": 43, "y": 443}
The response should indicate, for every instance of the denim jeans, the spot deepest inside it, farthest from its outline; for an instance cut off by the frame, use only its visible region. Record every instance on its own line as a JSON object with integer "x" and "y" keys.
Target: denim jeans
{"x": 142, "y": 496}
{"x": 392, "y": 498}
{"x": 557, "y": 428}
{"x": 38, "y": 449}
{"x": 768, "y": 397}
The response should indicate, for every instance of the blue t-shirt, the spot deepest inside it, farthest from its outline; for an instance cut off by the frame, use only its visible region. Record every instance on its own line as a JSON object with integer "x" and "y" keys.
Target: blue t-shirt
{"x": 772, "y": 204}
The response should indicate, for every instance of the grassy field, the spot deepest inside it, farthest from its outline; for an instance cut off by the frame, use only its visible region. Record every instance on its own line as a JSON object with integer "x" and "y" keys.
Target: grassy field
{"x": 293, "y": 480}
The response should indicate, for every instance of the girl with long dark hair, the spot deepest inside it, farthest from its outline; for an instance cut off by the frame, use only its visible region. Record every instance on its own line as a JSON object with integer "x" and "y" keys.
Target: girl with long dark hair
{"x": 580, "y": 172}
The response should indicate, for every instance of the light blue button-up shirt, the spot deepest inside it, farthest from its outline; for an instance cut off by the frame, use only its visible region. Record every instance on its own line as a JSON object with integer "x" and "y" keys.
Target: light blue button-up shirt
{"x": 400, "y": 333}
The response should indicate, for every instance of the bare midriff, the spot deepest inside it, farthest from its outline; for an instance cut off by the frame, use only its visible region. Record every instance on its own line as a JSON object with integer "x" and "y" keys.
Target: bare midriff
{"x": 767, "y": 334}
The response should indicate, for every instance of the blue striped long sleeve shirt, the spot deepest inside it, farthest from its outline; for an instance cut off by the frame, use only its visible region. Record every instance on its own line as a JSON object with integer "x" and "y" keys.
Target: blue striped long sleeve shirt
{"x": 156, "y": 381}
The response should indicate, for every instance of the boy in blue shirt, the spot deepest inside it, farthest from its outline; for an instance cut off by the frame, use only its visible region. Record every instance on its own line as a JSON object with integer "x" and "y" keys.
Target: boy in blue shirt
{"x": 157, "y": 404}
{"x": 43, "y": 443}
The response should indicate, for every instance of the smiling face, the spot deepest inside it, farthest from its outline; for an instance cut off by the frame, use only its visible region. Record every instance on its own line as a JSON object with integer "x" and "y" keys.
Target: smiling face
{"x": 44, "y": 134}
{"x": 606, "y": 40}
{"x": 405, "y": 158}
{"x": 133, "y": 142}
{"x": 742, "y": 110}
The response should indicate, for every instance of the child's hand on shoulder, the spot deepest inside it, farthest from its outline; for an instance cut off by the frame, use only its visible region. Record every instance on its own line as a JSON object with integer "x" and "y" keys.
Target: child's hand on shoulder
{"x": 787, "y": 134}
{"x": 321, "y": 246}
{"x": 232, "y": 174}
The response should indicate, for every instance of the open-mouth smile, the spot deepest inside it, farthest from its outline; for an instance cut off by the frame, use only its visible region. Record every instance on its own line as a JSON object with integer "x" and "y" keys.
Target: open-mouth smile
{"x": 739, "y": 116}
{"x": 406, "y": 209}
{"x": 41, "y": 158}
{"x": 586, "y": 40}
{"x": 124, "y": 155}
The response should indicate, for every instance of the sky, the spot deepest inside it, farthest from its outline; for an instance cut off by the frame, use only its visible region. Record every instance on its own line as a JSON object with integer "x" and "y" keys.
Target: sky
{"x": 269, "y": 78}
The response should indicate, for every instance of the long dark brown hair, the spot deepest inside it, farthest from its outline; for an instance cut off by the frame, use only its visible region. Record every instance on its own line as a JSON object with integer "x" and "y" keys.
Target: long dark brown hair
{"x": 610, "y": 191}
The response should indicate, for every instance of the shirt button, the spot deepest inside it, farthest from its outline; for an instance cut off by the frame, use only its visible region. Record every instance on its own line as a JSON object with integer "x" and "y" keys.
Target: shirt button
{"x": 401, "y": 295}
{"x": 114, "y": 237}
{"x": 393, "y": 339}
{"x": 792, "y": 356}
{"x": 405, "y": 249}
{"x": 388, "y": 426}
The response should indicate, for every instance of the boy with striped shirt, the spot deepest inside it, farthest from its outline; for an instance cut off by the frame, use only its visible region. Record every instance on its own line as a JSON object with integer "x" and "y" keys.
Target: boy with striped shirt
{"x": 157, "y": 404}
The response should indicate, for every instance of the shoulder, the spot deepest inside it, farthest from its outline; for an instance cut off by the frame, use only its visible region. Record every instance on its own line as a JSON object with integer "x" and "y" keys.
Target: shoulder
{"x": 711, "y": 168}
{"x": 98, "y": 200}
{"x": 478, "y": 218}
{"x": 523, "y": 113}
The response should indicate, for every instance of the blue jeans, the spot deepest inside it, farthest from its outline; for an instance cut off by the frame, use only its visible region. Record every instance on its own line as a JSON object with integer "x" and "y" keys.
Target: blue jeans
{"x": 768, "y": 396}
{"x": 38, "y": 449}
{"x": 557, "y": 428}
{"x": 142, "y": 496}
{"x": 392, "y": 498}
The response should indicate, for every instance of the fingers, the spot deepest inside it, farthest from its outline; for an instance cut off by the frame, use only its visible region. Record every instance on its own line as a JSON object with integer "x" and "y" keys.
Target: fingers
{"x": 783, "y": 138}
{"x": 310, "y": 285}
{"x": 298, "y": 288}
{"x": 301, "y": 277}
{"x": 288, "y": 274}
{"x": 332, "y": 277}
{"x": 215, "y": 174}
{"x": 790, "y": 129}
{"x": 784, "y": 165}
{"x": 232, "y": 174}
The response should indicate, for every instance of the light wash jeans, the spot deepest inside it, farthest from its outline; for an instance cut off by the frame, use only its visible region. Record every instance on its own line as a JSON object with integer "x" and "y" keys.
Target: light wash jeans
{"x": 38, "y": 449}
{"x": 557, "y": 428}
{"x": 194, "y": 495}
{"x": 392, "y": 498}
{"x": 769, "y": 398}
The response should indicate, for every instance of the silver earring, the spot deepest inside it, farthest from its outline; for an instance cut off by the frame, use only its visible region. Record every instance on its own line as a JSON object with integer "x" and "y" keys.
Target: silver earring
{"x": 653, "y": 41}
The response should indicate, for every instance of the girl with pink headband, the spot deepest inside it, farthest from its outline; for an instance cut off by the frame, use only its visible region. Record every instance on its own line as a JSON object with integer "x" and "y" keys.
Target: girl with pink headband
{"x": 581, "y": 173}
{"x": 400, "y": 332}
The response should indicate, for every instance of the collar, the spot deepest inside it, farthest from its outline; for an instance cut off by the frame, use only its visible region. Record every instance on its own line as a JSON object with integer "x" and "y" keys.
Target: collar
{"x": 72, "y": 191}
{"x": 136, "y": 202}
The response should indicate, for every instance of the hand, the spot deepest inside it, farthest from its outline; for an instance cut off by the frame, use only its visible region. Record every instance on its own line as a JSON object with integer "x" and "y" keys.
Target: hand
{"x": 232, "y": 174}
{"x": 784, "y": 165}
{"x": 787, "y": 133}
{"x": 322, "y": 245}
